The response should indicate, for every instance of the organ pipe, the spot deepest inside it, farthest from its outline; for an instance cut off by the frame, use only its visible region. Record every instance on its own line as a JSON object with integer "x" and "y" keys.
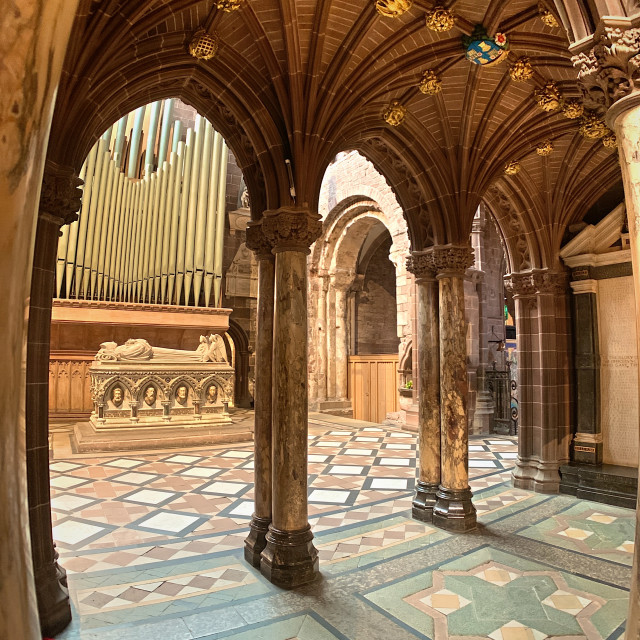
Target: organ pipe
{"x": 156, "y": 265}
{"x": 135, "y": 142}
{"x": 100, "y": 221}
{"x": 114, "y": 238}
{"x": 177, "y": 133}
{"x": 201, "y": 212}
{"x": 191, "y": 213}
{"x": 120, "y": 138}
{"x": 149, "y": 160}
{"x": 210, "y": 241}
{"x": 163, "y": 269}
{"x": 173, "y": 233}
{"x": 165, "y": 132}
{"x": 220, "y": 218}
{"x": 84, "y": 220}
{"x": 158, "y": 239}
{"x": 184, "y": 205}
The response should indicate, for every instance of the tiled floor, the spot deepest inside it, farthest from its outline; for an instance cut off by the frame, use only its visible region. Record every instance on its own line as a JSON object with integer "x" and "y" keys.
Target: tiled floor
{"x": 153, "y": 542}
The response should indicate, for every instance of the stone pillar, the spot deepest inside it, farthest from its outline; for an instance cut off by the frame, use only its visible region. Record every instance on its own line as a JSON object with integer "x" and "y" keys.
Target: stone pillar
{"x": 290, "y": 559}
{"x": 34, "y": 43}
{"x": 256, "y": 540}
{"x": 341, "y": 283}
{"x": 453, "y": 510}
{"x": 587, "y": 441}
{"x": 624, "y": 118}
{"x": 422, "y": 266}
{"x": 59, "y": 202}
{"x": 543, "y": 378}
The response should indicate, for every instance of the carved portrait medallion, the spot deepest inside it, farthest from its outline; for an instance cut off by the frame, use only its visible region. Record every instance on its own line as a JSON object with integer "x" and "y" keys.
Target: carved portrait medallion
{"x": 182, "y": 394}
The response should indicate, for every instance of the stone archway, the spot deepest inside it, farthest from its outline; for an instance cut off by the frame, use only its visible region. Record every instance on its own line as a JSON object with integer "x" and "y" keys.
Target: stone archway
{"x": 364, "y": 214}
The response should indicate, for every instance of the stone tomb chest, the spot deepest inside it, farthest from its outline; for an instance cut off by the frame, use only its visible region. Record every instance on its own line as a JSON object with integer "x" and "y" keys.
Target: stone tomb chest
{"x": 161, "y": 396}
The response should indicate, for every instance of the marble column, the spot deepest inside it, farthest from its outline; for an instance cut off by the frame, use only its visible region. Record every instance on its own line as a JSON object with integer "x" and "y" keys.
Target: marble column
{"x": 453, "y": 510}
{"x": 587, "y": 442}
{"x": 624, "y": 118}
{"x": 428, "y": 338}
{"x": 33, "y": 46}
{"x": 256, "y": 540}
{"x": 59, "y": 202}
{"x": 290, "y": 558}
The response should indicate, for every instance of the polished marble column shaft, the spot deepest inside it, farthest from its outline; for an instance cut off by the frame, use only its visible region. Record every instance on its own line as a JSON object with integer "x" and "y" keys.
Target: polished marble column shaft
{"x": 33, "y": 45}
{"x": 428, "y": 337}
{"x": 453, "y": 510}
{"x": 256, "y": 541}
{"x": 624, "y": 118}
{"x": 289, "y": 558}
{"x": 59, "y": 201}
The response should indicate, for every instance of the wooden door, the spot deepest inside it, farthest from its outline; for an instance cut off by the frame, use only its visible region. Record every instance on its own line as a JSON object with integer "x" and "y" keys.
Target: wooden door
{"x": 373, "y": 386}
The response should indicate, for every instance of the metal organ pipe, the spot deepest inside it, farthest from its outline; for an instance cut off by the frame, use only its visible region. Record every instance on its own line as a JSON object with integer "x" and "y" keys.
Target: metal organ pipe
{"x": 210, "y": 242}
{"x": 191, "y": 214}
{"x": 184, "y": 205}
{"x": 220, "y": 220}
{"x": 165, "y": 131}
{"x": 201, "y": 212}
{"x": 135, "y": 142}
{"x": 159, "y": 239}
{"x": 173, "y": 233}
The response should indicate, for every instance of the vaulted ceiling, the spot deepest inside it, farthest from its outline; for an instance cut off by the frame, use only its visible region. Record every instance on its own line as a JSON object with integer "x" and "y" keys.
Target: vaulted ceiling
{"x": 305, "y": 79}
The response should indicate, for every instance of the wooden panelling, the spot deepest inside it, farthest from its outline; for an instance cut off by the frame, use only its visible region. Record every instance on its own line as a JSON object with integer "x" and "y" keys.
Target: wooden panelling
{"x": 70, "y": 385}
{"x": 373, "y": 386}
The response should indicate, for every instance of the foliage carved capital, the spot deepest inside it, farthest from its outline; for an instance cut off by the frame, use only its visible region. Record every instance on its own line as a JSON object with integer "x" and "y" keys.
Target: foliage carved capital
{"x": 61, "y": 196}
{"x": 449, "y": 259}
{"x": 258, "y": 242}
{"x": 421, "y": 264}
{"x": 291, "y": 229}
{"x": 609, "y": 71}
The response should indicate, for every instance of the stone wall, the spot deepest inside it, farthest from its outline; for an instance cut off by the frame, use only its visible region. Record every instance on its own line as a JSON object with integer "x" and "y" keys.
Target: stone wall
{"x": 376, "y": 315}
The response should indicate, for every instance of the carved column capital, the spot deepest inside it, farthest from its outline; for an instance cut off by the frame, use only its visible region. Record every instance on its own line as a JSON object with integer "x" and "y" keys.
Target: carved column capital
{"x": 61, "y": 196}
{"x": 533, "y": 283}
{"x": 292, "y": 229}
{"x": 551, "y": 282}
{"x": 520, "y": 284}
{"x": 452, "y": 260}
{"x": 258, "y": 242}
{"x": 608, "y": 71}
{"x": 421, "y": 264}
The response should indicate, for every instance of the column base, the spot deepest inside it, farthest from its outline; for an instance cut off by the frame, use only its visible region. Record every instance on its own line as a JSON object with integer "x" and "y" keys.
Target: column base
{"x": 424, "y": 501}
{"x": 533, "y": 475}
{"x": 256, "y": 541}
{"x": 454, "y": 510}
{"x": 289, "y": 560}
{"x": 52, "y": 595}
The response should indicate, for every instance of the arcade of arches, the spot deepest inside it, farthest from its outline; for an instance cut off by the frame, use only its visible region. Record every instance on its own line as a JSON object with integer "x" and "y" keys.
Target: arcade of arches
{"x": 466, "y": 114}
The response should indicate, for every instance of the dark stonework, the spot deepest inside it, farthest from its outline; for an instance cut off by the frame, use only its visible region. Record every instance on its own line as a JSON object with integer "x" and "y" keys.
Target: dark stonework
{"x": 606, "y": 483}
{"x": 59, "y": 202}
{"x": 620, "y": 270}
{"x": 587, "y": 378}
{"x": 454, "y": 510}
{"x": 255, "y": 542}
{"x": 290, "y": 559}
{"x": 424, "y": 501}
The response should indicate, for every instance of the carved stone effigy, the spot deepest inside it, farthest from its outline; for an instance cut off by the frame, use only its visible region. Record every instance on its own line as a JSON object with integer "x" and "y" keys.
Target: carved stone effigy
{"x": 137, "y": 386}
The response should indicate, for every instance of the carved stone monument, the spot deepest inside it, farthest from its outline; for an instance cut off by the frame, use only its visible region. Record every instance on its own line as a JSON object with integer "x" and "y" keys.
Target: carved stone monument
{"x": 148, "y": 396}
